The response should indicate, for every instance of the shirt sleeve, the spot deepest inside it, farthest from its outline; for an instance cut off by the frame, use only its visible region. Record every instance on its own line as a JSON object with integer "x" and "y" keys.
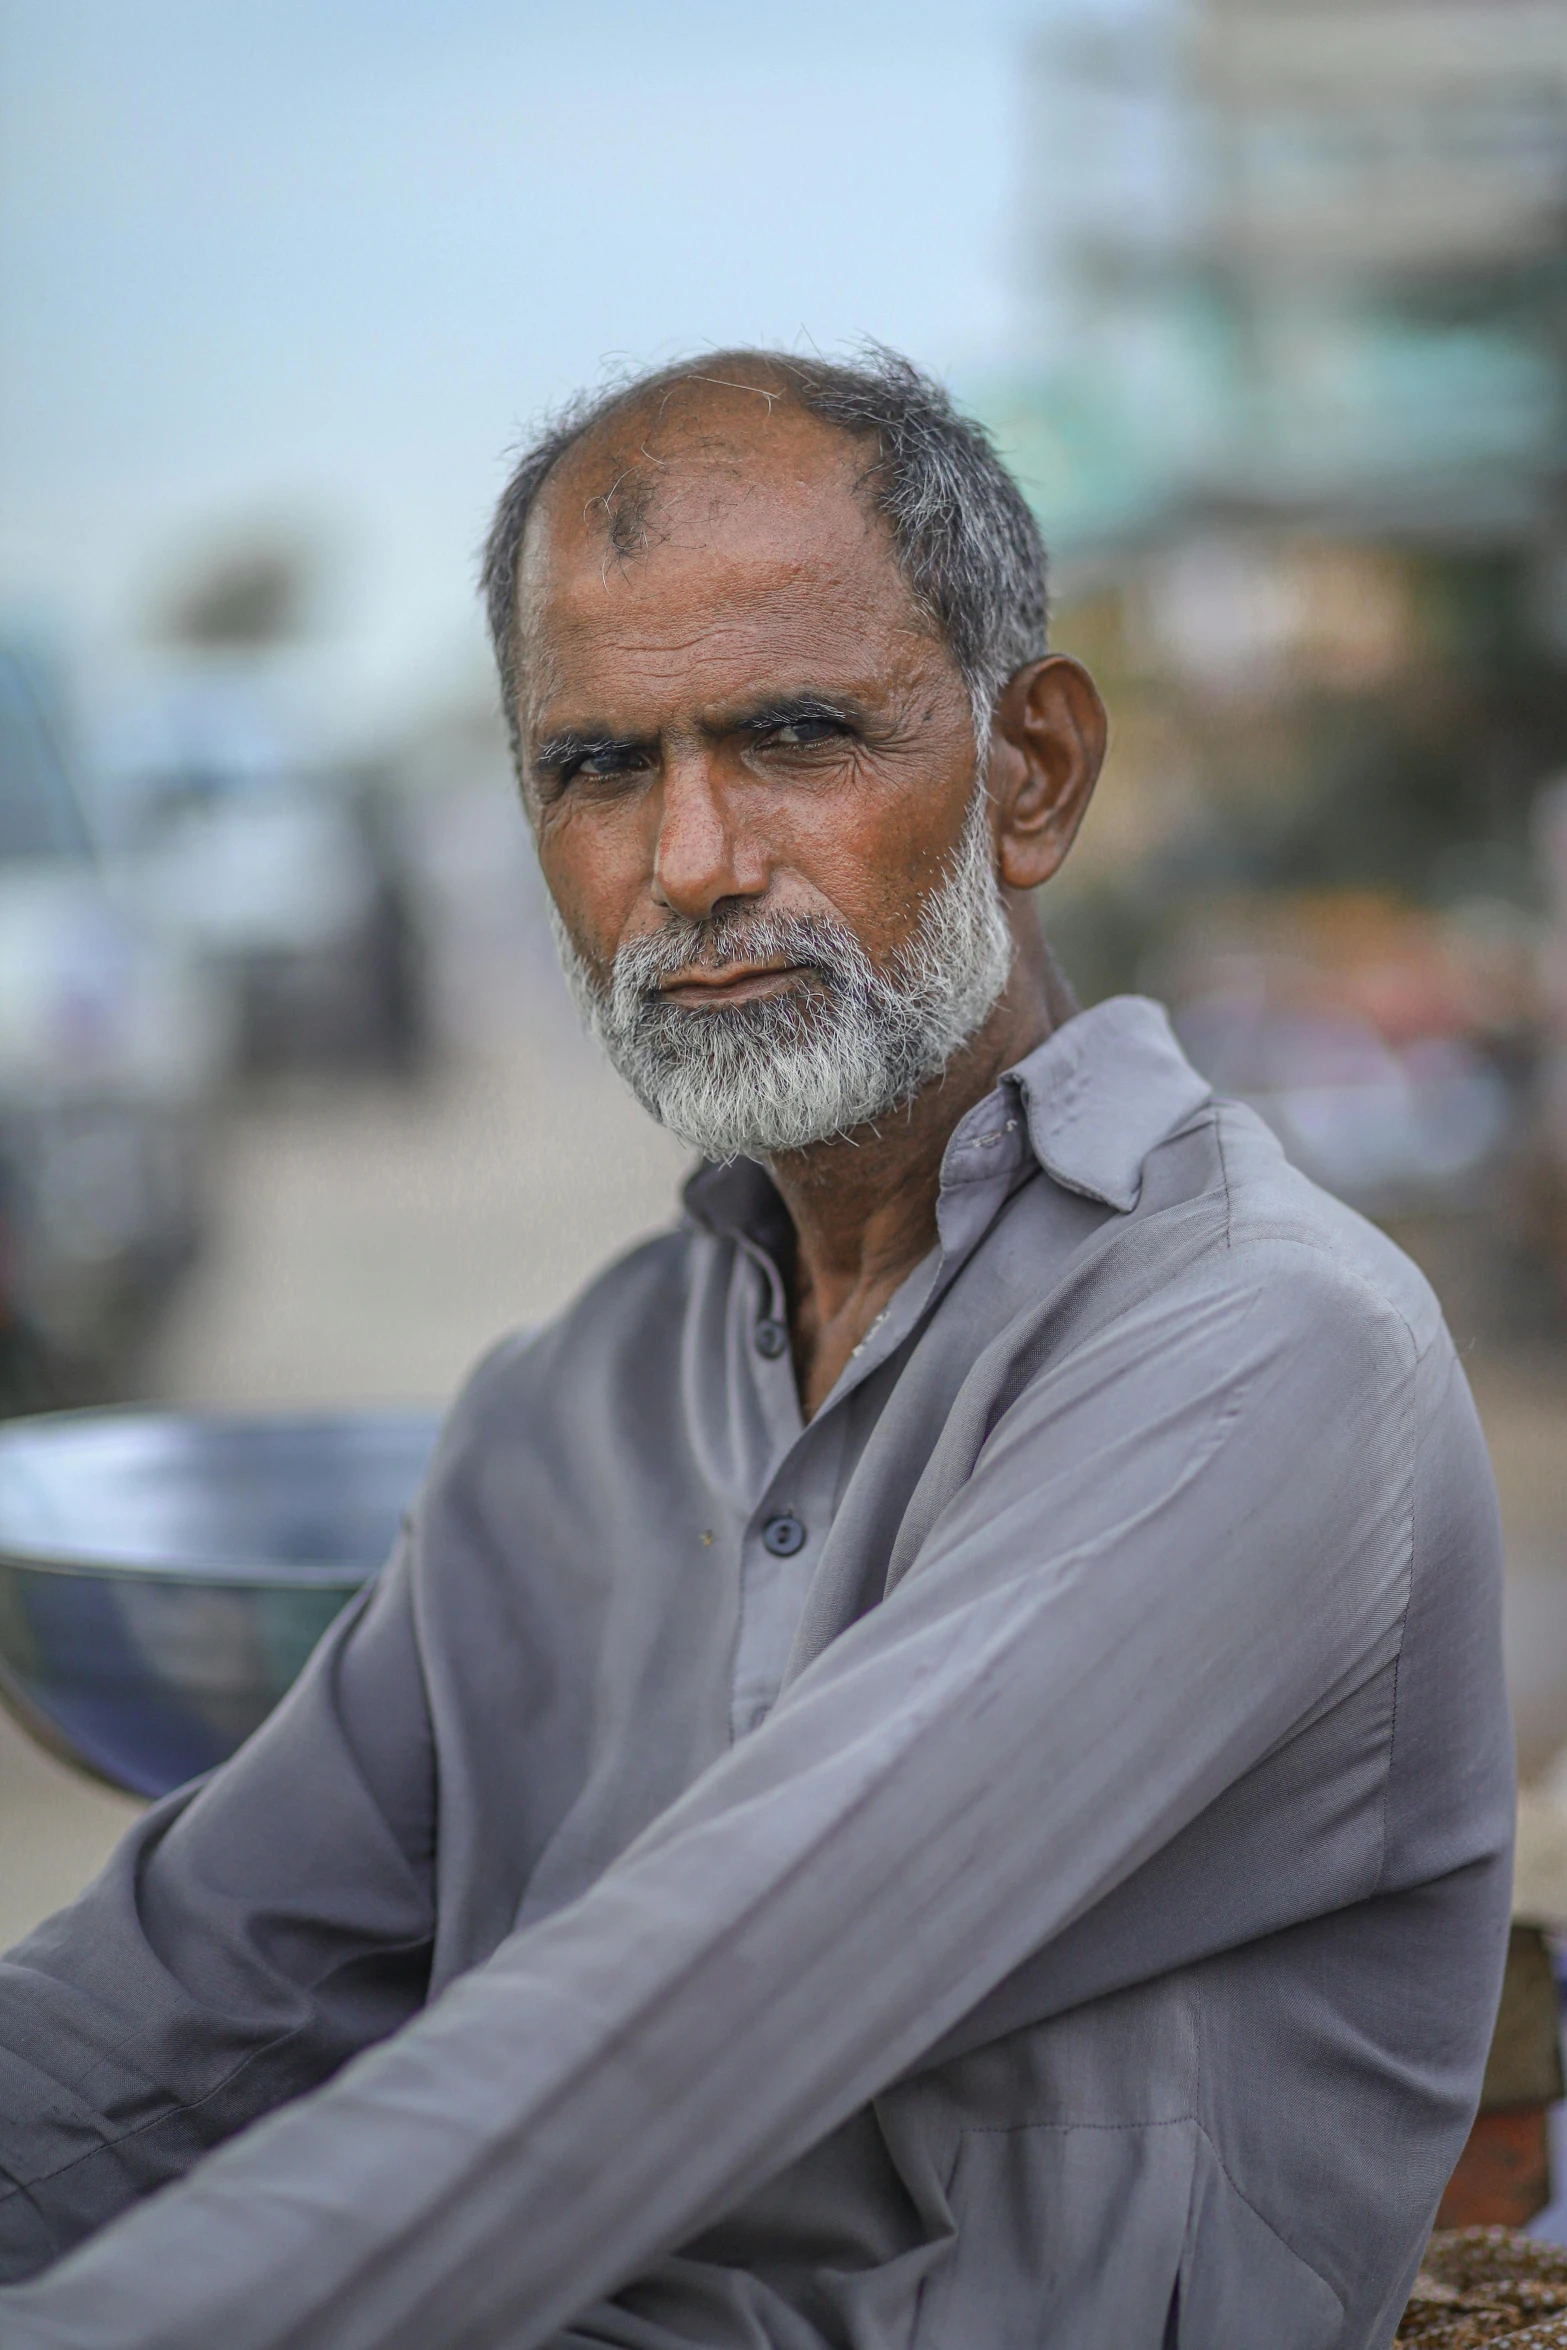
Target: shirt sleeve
{"x": 1174, "y": 1548}
{"x": 246, "y": 1937}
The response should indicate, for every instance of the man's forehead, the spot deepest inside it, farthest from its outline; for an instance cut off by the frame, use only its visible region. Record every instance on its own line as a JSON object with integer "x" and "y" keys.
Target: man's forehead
{"x": 726, "y": 472}
{"x": 722, "y": 531}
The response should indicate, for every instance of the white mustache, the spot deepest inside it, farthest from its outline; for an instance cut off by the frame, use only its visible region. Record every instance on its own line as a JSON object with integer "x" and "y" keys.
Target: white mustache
{"x": 813, "y": 942}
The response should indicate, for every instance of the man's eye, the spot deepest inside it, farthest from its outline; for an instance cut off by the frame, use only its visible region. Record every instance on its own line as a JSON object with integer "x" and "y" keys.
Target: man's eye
{"x": 605, "y": 764}
{"x": 613, "y": 760}
{"x": 800, "y": 733}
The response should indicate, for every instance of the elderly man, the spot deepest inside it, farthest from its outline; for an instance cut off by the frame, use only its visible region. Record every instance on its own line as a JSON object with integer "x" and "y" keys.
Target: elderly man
{"x": 932, "y": 1768}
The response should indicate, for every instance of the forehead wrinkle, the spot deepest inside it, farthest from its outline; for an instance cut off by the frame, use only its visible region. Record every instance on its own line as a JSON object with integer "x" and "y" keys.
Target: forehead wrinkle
{"x": 784, "y": 627}
{"x": 590, "y": 657}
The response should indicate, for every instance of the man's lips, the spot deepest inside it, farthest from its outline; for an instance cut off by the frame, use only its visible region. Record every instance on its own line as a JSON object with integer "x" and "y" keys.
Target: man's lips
{"x": 733, "y": 983}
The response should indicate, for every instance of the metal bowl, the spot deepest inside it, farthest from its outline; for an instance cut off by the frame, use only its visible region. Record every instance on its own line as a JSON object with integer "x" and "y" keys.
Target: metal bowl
{"x": 164, "y": 1576}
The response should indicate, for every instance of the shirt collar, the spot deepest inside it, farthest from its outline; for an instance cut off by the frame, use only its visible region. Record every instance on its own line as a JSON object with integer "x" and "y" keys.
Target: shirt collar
{"x": 733, "y": 1196}
{"x": 1095, "y": 1098}
{"x": 1104, "y": 1091}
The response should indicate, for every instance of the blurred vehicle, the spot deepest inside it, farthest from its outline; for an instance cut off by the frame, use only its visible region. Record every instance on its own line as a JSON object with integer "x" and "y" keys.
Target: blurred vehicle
{"x": 108, "y": 1045}
{"x": 295, "y": 896}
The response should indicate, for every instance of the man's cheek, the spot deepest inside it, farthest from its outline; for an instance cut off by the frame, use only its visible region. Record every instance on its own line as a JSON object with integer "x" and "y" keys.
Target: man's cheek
{"x": 596, "y": 874}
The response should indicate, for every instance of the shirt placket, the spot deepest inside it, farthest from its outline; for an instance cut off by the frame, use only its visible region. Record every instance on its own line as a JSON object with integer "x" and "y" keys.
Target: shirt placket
{"x": 782, "y": 1539}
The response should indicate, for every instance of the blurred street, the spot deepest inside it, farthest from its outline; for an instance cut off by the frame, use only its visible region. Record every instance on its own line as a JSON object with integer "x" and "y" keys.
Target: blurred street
{"x": 375, "y": 1240}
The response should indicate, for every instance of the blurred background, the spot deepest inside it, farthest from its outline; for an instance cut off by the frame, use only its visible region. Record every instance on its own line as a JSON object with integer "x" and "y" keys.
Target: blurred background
{"x": 1266, "y": 301}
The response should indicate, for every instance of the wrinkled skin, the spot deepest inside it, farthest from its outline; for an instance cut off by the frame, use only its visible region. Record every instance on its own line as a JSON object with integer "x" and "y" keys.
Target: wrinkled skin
{"x": 729, "y": 696}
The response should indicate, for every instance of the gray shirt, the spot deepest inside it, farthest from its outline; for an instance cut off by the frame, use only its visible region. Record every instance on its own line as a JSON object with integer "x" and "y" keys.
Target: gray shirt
{"x": 1022, "y": 1859}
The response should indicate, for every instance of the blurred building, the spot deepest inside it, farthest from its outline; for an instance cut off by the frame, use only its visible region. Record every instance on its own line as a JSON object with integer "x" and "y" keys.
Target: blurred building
{"x": 1376, "y": 256}
{"x": 1313, "y": 267}
{"x": 1295, "y": 418}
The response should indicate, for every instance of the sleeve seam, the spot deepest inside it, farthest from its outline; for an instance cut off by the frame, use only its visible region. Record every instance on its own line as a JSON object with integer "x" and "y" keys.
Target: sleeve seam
{"x": 1224, "y": 1176}
{"x": 1387, "y": 1307}
{"x": 167, "y": 2113}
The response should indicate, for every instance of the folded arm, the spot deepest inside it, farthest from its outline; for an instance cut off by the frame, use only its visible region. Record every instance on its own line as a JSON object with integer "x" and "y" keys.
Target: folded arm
{"x": 1174, "y": 1547}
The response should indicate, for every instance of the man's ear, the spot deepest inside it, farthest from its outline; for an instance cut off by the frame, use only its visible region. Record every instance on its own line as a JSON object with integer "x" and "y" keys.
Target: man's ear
{"x": 1048, "y": 739}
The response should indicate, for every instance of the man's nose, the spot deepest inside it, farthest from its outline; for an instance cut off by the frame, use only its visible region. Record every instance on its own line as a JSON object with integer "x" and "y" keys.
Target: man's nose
{"x": 704, "y": 851}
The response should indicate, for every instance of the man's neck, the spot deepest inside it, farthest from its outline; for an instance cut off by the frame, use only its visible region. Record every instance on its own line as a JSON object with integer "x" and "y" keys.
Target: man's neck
{"x": 863, "y": 1206}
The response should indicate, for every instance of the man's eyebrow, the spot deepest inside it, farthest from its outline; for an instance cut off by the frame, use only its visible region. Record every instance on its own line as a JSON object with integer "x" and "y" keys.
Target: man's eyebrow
{"x": 569, "y": 745}
{"x": 565, "y": 748}
{"x": 789, "y": 710}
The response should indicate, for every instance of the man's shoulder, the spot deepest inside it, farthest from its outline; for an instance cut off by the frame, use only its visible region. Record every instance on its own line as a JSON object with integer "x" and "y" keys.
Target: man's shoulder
{"x": 1280, "y": 1226}
{"x": 1226, "y": 1226}
{"x": 1206, "y": 1194}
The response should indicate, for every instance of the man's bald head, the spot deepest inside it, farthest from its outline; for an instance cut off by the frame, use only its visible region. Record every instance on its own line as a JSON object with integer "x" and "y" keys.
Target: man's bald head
{"x": 628, "y": 460}
{"x": 700, "y": 436}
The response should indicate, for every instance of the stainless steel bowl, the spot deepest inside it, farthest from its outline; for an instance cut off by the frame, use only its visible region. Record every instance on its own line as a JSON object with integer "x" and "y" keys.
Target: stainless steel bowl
{"x": 164, "y": 1576}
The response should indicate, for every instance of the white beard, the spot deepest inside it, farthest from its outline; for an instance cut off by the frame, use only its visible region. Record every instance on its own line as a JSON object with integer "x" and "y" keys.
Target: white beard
{"x": 750, "y": 1080}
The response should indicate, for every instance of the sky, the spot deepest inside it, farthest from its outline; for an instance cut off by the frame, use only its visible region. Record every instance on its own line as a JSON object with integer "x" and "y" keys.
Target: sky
{"x": 323, "y": 261}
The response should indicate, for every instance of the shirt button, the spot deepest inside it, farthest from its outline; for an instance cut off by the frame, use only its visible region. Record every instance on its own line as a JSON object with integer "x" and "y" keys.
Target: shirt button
{"x": 783, "y": 1536}
{"x": 771, "y": 1338}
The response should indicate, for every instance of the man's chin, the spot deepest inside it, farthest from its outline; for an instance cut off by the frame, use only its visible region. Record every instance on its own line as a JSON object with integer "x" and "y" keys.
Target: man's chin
{"x": 736, "y": 1119}
{"x": 761, "y": 1078}
{"x": 721, "y": 1128}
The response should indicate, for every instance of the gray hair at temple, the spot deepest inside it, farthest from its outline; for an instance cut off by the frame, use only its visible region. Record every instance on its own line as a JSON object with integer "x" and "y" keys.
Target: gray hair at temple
{"x": 962, "y": 531}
